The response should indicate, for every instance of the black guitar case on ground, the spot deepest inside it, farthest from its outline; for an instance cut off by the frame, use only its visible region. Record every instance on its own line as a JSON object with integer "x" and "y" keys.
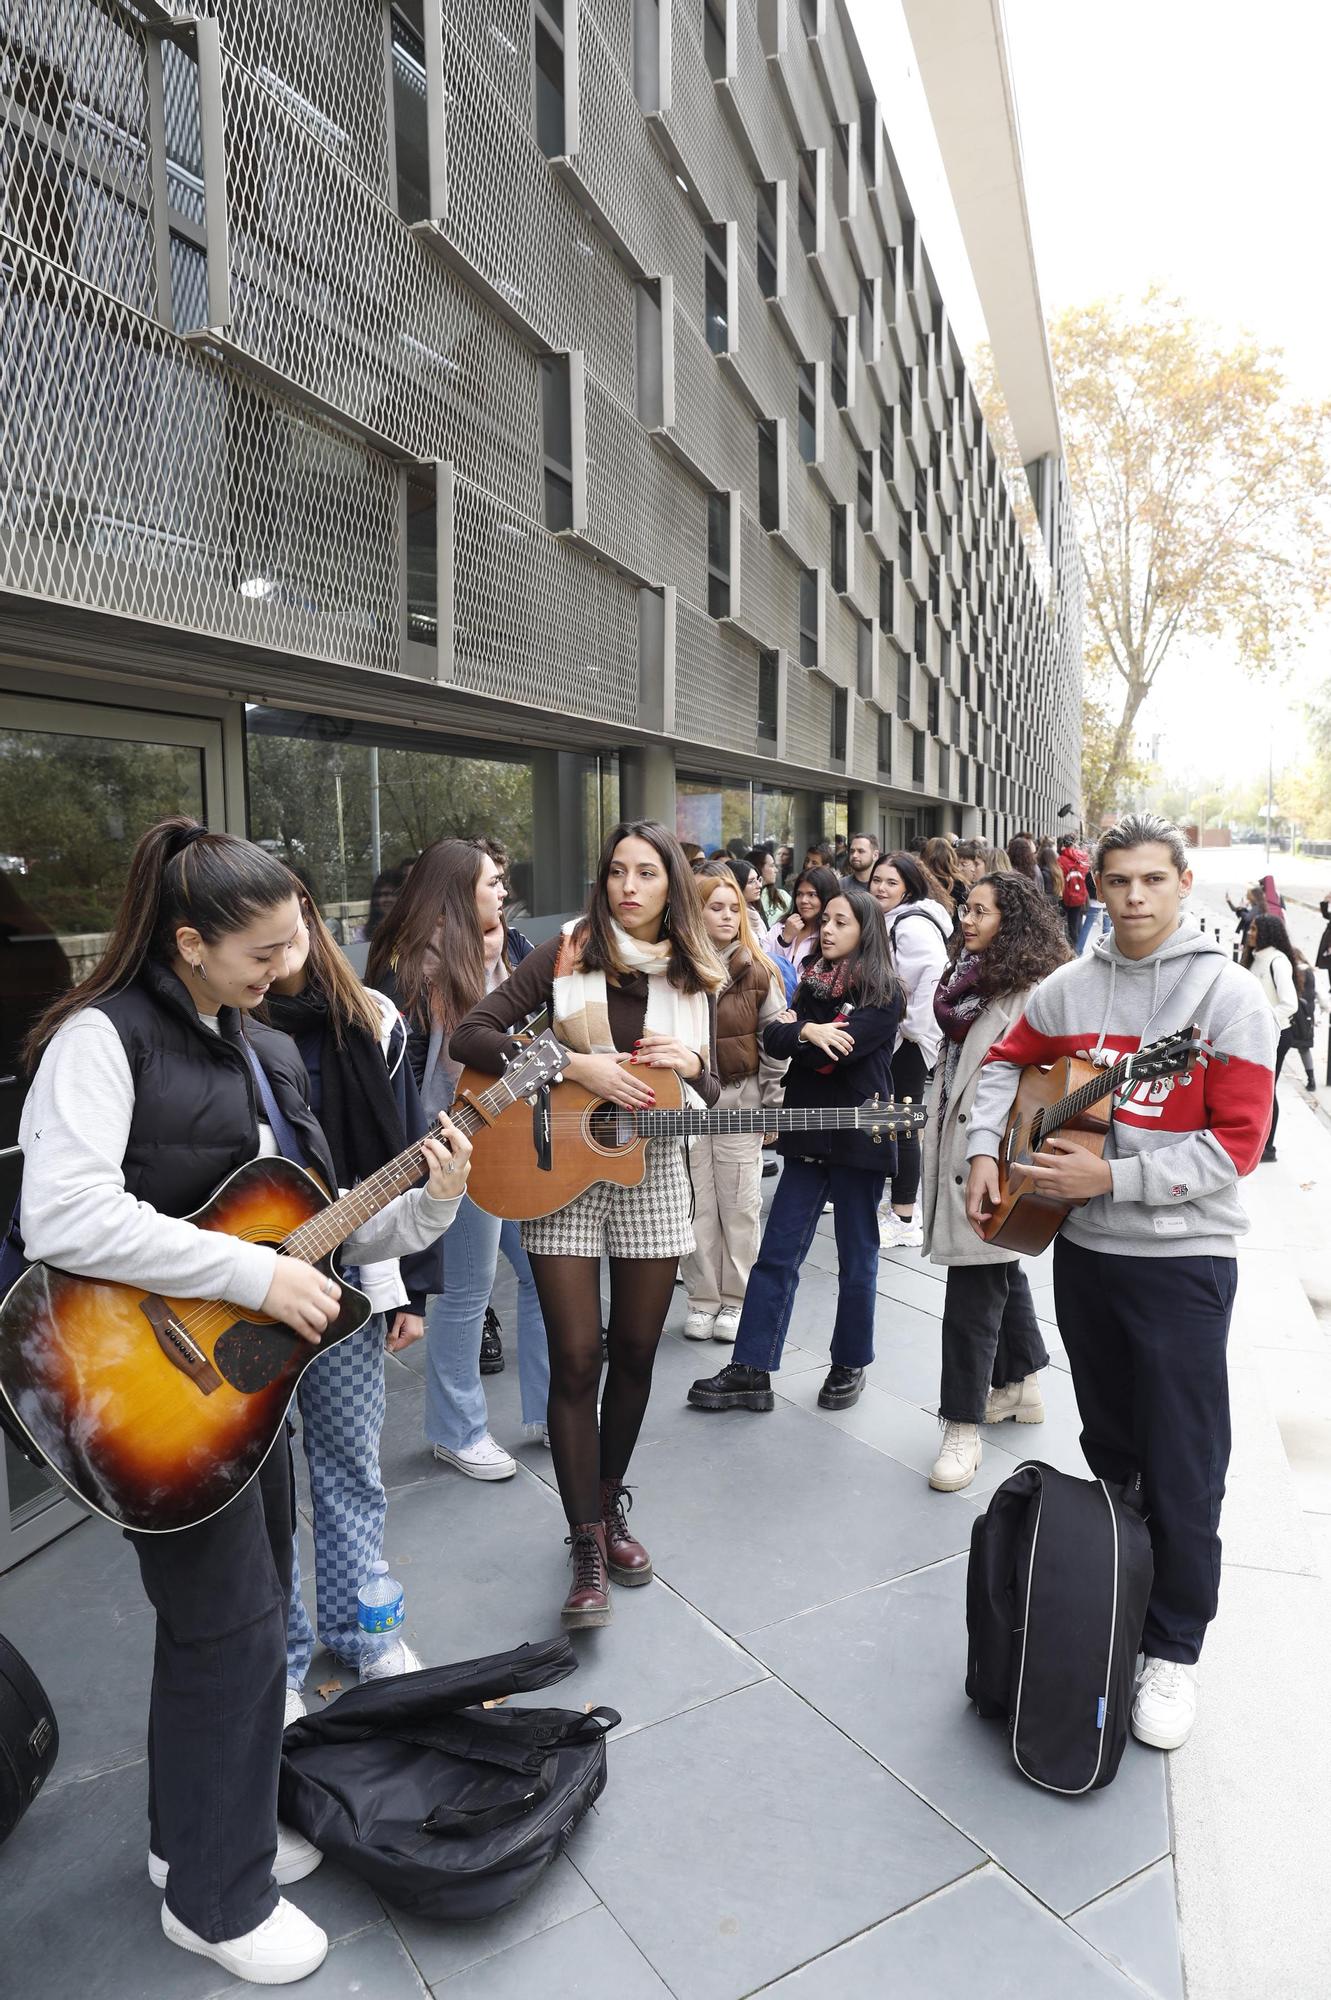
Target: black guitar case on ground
{"x": 445, "y": 1807}
{"x": 29, "y": 1738}
{"x": 1056, "y": 1594}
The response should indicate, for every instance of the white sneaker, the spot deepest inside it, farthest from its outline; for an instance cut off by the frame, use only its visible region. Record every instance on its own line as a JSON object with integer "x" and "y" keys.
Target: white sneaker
{"x": 726, "y": 1324}
{"x": 537, "y": 1434}
{"x": 295, "y": 1707}
{"x": 396, "y": 1658}
{"x": 698, "y": 1324}
{"x": 895, "y": 1233}
{"x": 284, "y": 1947}
{"x": 295, "y": 1859}
{"x": 1021, "y": 1400}
{"x": 483, "y": 1460}
{"x": 958, "y": 1460}
{"x": 1165, "y": 1706}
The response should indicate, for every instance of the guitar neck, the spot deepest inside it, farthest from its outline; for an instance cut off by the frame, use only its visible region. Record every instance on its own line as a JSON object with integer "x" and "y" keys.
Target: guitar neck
{"x": 342, "y": 1218}
{"x": 1077, "y": 1101}
{"x": 693, "y": 1123}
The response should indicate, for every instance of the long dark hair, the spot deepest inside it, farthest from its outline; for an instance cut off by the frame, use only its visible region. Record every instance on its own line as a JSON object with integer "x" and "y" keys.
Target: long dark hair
{"x": 328, "y": 970}
{"x": 1031, "y": 942}
{"x": 694, "y": 964}
{"x": 872, "y": 977}
{"x": 825, "y": 884}
{"x": 431, "y": 941}
{"x": 1271, "y": 933}
{"x": 1022, "y": 855}
{"x": 922, "y": 885}
{"x": 179, "y": 874}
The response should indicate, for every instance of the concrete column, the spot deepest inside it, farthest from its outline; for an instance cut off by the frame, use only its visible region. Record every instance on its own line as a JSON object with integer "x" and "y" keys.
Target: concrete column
{"x": 559, "y": 867}
{"x": 647, "y": 783}
{"x": 865, "y": 814}
{"x": 808, "y": 823}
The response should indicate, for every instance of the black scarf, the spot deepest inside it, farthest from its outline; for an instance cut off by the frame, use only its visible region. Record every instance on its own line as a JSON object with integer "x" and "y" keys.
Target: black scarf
{"x": 359, "y": 1113}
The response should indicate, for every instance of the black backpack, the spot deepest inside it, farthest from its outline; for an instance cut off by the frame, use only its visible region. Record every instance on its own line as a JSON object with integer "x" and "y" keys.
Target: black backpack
{"x": 445, "y": 1807}
{"x": 1056, "y": 1594}
{"x": 29, "y": 1738}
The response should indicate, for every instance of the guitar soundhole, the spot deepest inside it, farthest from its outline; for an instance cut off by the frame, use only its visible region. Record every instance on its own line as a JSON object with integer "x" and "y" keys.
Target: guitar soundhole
{"x": 604, "y": 1130}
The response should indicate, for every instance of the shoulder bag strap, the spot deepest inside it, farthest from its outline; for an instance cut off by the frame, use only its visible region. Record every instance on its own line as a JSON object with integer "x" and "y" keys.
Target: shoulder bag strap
{"x": 287, "y": 1142}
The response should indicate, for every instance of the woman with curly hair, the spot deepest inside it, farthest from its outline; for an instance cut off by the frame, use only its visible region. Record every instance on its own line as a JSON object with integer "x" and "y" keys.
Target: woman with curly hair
{"x": 1011, "y": 938}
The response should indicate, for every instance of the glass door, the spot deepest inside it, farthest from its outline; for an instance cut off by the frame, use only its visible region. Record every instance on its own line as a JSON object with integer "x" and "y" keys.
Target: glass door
{"x": 78, "y": 784}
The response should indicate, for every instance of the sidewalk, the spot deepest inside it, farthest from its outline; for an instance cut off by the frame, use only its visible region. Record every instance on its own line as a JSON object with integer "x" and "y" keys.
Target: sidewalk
{"x": 800, "y": 1799}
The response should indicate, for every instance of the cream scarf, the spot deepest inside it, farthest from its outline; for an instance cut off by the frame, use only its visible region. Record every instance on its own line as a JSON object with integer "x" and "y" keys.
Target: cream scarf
{"x": 581, "y": 1010}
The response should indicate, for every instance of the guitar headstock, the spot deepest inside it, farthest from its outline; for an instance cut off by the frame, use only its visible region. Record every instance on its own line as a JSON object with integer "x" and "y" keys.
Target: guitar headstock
{"x": 890, "y": 1120}
{"x": 1173, "y": 1055}
{"x": 541, "y": 1062}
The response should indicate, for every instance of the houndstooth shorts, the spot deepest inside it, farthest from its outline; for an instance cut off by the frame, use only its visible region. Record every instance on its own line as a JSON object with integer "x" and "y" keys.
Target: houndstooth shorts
{"x": 651, "y": 1220}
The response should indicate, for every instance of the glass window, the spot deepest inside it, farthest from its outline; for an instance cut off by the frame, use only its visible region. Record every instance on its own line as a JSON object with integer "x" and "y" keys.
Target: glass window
{"x": 864, "y": 637}
{"x": 808, "y": 200}
{"x": 921, "y": 633}
{"x": 548, "y": 59}
{"x": 838, "y": 546}
{"x": 903, "y": 686}
{"x": 410, "y": 140}
{"x": 809, "y": 617}
{"x": 809, "y": 16}
{"x": 717, "y": 301}
{"x": 713, "y": 811}
{"x": 886, "y": 590}
{"x": 867, "y": 317}
{"x": 917, "y": 756}
{"x": 557, "y": 441}
{"x": 766, "y": 238}
{"x": 841, "y": 169}
{"x": 769, "y": 483}
{"x": 422, "y": 562}
{"x": 868, "y": 134}
{"x": 718, "y": 554}
{"x": 884, "y": 745}
{"x": 840, "y": 711}
{"x": 808, "y": 412}
{"x": 714, "y": 37}
{"x": 768, "y": 693}
{"x": 864, "y": 490}
{"x": 933, "y": 706}
{"x": 840, "y": 364}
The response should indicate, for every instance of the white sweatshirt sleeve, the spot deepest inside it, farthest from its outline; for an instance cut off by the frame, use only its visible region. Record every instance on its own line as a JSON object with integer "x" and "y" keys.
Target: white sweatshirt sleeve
{"x": 921, "y": 960}
{"x": 76, "y": 1212}
{"x": 771, "y": 1069}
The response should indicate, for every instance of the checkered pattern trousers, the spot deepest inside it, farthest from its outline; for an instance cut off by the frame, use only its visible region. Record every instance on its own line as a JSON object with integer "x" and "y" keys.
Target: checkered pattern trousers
{"x": 341, "y": 1402}
{"x": 650, "y": 1220}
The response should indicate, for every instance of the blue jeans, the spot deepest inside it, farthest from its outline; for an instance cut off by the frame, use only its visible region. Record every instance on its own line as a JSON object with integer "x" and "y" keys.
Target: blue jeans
{"x": 803, "y": 1188}
{"x": 455, "y": 1412}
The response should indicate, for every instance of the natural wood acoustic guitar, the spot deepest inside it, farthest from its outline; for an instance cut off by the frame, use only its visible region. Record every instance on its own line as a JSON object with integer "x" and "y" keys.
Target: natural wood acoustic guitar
{"x": 1072, "y": 1099}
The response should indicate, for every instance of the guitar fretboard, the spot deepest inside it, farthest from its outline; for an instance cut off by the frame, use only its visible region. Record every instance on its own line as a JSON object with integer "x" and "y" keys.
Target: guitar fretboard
{"x": 774, "y": 1118}
{"x": 1072, "y": 1106}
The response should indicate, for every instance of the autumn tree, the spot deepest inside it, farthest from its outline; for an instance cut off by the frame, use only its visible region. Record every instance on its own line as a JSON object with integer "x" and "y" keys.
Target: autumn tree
{"x": 1200, "y": 486}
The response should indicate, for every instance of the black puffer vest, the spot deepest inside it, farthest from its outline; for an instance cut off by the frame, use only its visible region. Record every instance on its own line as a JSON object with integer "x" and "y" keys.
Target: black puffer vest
{"x": 196, "y": 1110}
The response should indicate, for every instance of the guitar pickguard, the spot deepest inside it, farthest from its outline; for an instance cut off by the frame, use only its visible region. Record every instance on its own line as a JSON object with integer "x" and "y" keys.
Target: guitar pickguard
{"x": 252, "y": 1357}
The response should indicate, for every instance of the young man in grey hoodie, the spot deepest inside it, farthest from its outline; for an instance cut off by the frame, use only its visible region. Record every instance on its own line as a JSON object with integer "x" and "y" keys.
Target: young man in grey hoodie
{"x": 1144, "y": 1268}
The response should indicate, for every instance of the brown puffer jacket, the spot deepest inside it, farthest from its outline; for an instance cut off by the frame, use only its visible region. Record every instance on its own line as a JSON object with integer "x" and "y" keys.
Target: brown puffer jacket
{"x": 737, "y": 1009}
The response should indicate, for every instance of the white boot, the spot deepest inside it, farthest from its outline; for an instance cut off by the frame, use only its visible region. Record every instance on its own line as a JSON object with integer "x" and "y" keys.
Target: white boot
{"x": 727, "y": 1324}
{"x": 698, "y": 1323}
{"x": 1021, "y": 1400}
{"x": 1165, "y": 1706}
{"x": 958, "y": 1460}
{"x": 283, "y": 1948}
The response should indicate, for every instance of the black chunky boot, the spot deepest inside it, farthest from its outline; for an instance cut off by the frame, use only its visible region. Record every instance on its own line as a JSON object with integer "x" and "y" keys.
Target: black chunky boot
{"x": 492, "y": 1347}
{"x": 735, "y": 1388}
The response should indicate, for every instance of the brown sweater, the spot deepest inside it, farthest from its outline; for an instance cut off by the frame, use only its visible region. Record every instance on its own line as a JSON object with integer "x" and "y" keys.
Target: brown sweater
{"x": 483, "y": 1041}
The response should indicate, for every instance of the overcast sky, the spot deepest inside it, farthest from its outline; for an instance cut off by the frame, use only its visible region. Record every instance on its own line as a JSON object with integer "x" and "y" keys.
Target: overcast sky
{"x": 1172, "y": 142}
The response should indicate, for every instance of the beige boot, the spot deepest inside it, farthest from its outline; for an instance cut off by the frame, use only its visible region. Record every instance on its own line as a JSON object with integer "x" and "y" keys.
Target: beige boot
{"x": 958, "y": 1460}
{"x": 1021, "y": 1400}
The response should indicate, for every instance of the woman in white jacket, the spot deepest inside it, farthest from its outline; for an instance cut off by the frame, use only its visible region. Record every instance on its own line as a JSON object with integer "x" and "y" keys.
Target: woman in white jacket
{"x": 1012, "y": 936}
{"x": 1270, "y": 959}
{"x": 919, "y": 917}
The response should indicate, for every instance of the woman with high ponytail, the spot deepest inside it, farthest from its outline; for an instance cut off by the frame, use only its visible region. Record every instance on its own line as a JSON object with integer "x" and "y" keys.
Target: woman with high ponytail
{"x": 152, "y": 1084}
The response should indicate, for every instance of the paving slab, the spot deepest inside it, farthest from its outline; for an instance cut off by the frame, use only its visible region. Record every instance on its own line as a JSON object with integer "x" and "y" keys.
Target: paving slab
{"x": 1136, "y": 1929}
{"x": 981, "y": 1937}
{"x": 439, "y": 1950}
{"x": 587, "y": 1958}
{"x": 889, "y": 1668}
{"x": 738, "y": 1840}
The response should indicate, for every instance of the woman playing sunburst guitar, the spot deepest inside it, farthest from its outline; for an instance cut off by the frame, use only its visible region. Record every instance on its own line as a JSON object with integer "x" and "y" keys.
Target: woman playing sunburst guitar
{"x": 634, "y": 978}
{"x": 152, "y": 1087}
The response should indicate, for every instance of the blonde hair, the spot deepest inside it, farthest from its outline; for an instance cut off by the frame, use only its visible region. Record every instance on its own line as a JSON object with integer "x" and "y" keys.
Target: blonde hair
{"x": 709, "y": 875}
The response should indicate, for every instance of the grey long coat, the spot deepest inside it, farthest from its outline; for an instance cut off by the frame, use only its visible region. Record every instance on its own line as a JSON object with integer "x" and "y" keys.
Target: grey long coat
{"x": 948, "y": 1237}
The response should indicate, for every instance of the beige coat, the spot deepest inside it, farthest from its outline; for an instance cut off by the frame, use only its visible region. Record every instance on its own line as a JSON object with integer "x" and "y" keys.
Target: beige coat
{"x": 948, "y": 1237}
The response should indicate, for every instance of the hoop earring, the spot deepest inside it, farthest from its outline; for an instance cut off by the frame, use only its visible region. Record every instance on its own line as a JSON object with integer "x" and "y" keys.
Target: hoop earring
{"x": 665, "y": 920}
{"x": 199, "y": 972}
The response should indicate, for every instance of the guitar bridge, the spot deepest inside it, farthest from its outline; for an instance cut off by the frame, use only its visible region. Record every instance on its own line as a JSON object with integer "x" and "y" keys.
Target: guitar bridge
{"x": 177, "y": 1346}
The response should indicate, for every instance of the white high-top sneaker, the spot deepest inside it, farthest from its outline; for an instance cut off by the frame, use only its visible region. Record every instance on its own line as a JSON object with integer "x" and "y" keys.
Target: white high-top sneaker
{"x": 283, "y": 1948}
{"x": 1165, "y": 1705}
{"x": 698, "y": 1323}
{"x": 1021, "y": 1400}
{"x": 958, "y": 1459}
{"x": 727, "y": 1324}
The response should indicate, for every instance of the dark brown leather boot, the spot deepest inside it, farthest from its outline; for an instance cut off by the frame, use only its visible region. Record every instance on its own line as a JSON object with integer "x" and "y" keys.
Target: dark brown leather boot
{"x": 588, "y": 1600}
{"x": 627, "y": 1559}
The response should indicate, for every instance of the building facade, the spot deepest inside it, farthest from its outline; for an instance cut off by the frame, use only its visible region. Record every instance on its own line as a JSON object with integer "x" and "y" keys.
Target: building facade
{"x": 484, "y": 415}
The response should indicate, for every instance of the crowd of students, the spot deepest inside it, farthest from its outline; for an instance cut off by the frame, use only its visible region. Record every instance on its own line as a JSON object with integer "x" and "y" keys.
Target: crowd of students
{"x": 224, "y": 1022}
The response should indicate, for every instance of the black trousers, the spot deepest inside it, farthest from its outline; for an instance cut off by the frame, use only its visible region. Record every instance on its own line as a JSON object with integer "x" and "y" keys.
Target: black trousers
{"x": 1146, "y": 1338}
{"x": 220, "y": 1592}
{"x": 908, "y": 1080}
{"x": 990, "y": 1337}
{"x": 1287, "y": 1042}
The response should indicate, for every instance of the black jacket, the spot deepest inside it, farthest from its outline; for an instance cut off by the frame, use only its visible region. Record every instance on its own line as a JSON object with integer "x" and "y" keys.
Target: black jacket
{"x": 196, "y": 1110}
{"x": 852, "y": 1080}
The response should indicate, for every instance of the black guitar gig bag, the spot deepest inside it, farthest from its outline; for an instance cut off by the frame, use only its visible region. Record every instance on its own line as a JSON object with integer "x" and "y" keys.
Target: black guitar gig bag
{"x": 29, "y": 1738}
{"x": 1056, "y": 1594}
{"x": 445, "y": 1807}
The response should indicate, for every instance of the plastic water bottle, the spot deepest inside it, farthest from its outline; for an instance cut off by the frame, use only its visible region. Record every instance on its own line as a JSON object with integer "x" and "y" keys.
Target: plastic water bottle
{"x": 381, "y": 1603}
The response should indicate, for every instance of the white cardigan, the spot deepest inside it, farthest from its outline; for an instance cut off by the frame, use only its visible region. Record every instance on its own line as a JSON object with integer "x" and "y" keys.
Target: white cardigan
{"x": 919, "y": 952}
{"x": 1273, "y": 973}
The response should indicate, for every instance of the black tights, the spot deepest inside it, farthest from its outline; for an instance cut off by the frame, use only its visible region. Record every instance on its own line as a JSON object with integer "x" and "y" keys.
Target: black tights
{"x": 569, "y": 1289}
